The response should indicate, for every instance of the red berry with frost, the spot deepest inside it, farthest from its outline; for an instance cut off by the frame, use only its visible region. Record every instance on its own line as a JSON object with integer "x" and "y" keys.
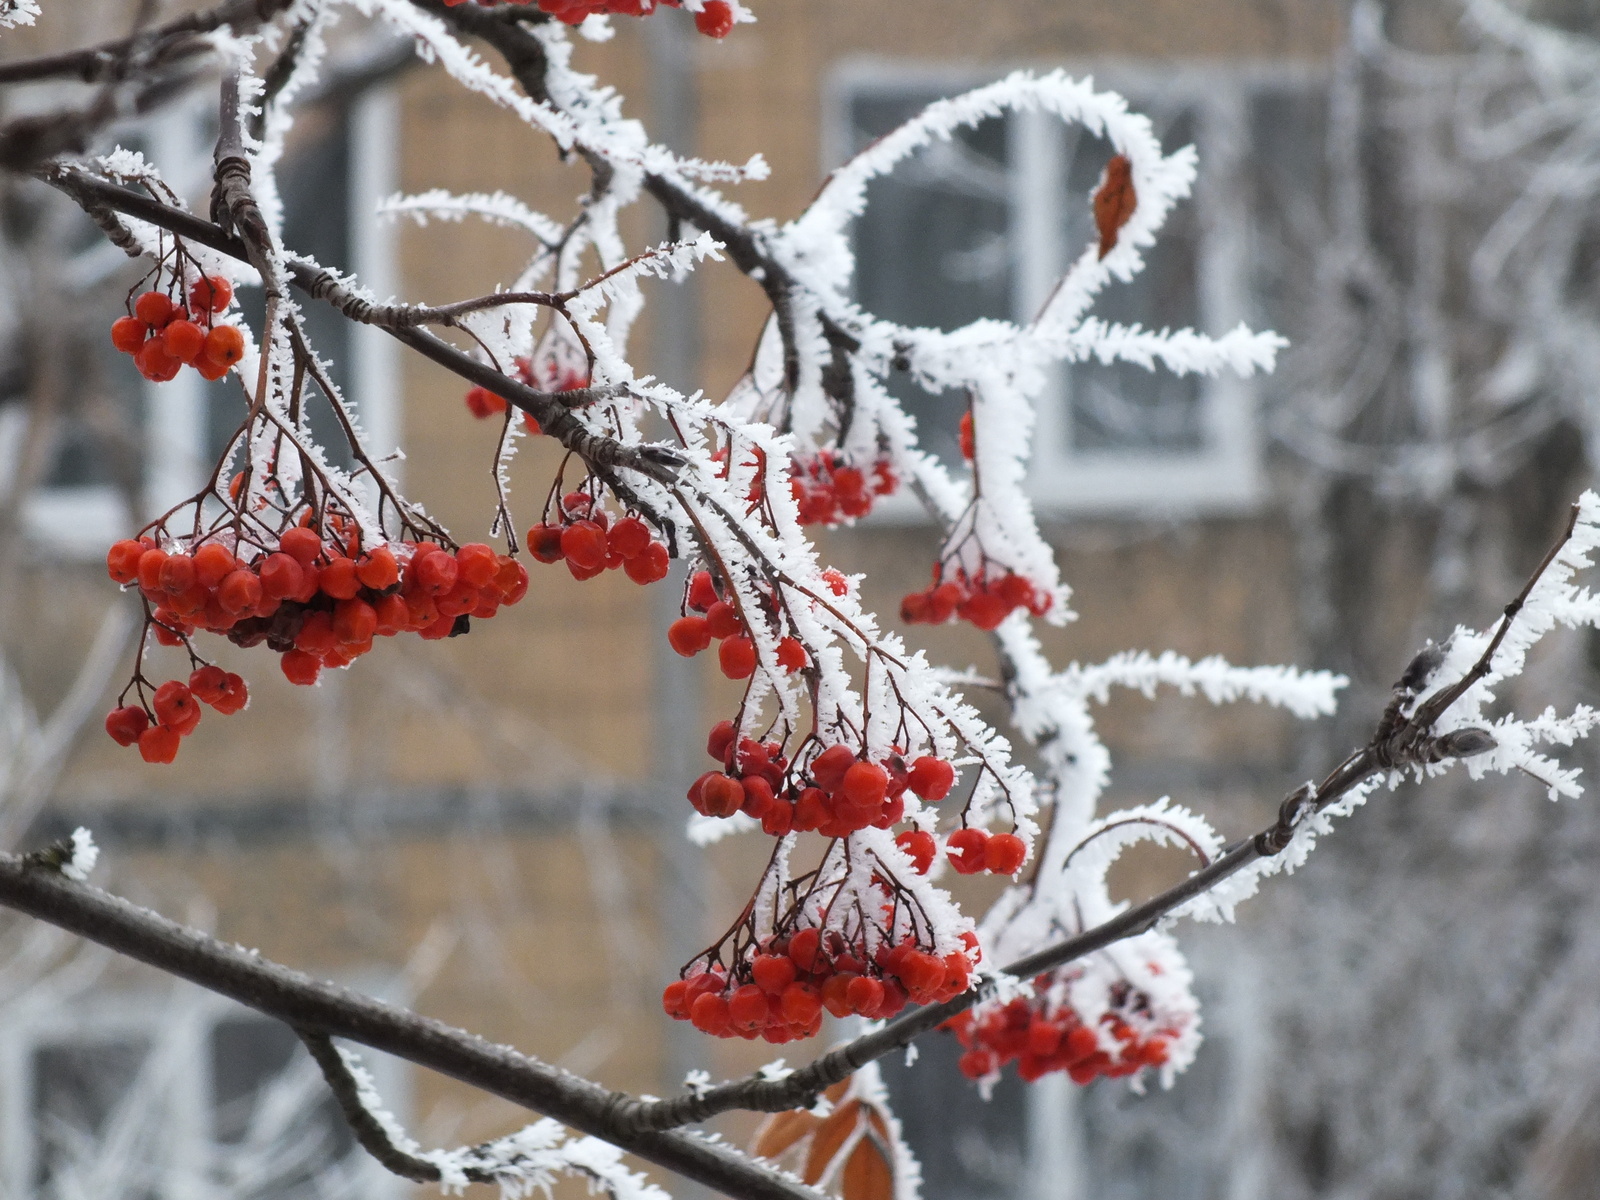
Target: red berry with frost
{"x": 715, "y": 19}
{"x": 722, "y": 620}
{"x": 791, "y": 655}
{"x": 829, "y": 767}
{"x": 966, "y": 849}
{"x": 864, "y": 784}
{"x": 931, "y": 778}
{"x": 920, "y": 847}
{"x": 1005, "y": 854}
{"x": 300, "y": 667}
{"x": 210, "y": 294}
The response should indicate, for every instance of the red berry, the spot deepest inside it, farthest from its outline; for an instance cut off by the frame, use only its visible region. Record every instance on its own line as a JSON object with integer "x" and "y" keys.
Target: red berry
{"x": 209, "y": 294}
{"x": 672, "y": 1000}
{"x": 224, "y": 346}
{"x": 544, "y": 543}
{"x": 931, "y": 778}
{"x": 208, "y": 683}
{"x": 709, "y": 1013}
{"x": 122, "y": 560}
{"x": 737, "y": 657}
{"x": 773, "y": 972}
{"x": 747, "y": 1008}
{"x": 967, "y": 850}
{"x": 804, "y": 947}
{"x": 158, "y": 744}
{"x": 235, "y": 695}
{"x": 184, "y": 340}
{"x": 969, "y": 444}
{"x": 128, "y": 334}
{"x": 239, "y": 592}
{"x": 984, "y": 609}
{"x": 281, "y": 576}
{"x": 354, "y": 621}
{"x": 434, "y": 570}
{"x": 584, "y": 544}
{"x": 721, "y": 740}
{"x": 721, "y": 796}
{"x": 481, "y": 402}
{"x": 477, "y": 564}
{"x": 154, "y": 309}
{"x": 715, "y": 19}
{"x": 829, "y": 767}
{"x": 1004, "y": 854}
{"x": 689, "y": 635}
{"x": 865, "y": 784}
{"x": 864, "y": 995}
{"x": 176, "y": 707}
{"x": 791, "y": 655}
{"x": 126, "y": 724}
{"x": 213, "y": 562}
{"x": 300, "y": 667}
{"x": 801, "y": 1002}
{"x": 722, "y": 619}
{"x": 650, "y": 566}
{"x": 702, "y": 592}
{"x": 920, "y": 847}
{"x": 629, "y": 537}
{"x": 301, "y": 544}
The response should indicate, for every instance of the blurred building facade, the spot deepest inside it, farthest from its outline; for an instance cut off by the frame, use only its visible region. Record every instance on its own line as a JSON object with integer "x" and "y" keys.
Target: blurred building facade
{"x": 488, "y": 828}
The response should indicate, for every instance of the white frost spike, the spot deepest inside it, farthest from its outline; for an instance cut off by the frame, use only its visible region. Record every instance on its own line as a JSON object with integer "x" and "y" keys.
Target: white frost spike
{"x": 83, "y": 857}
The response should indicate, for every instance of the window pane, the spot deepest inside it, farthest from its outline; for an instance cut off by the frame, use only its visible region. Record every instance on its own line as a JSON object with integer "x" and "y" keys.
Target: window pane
{"x": 1122, "y": 406}
{"x": 253, "y": 1060}
{"x": 77, "y": 1089}
{"x": 932, "y": 247}
{"x": 969, "y": 1148}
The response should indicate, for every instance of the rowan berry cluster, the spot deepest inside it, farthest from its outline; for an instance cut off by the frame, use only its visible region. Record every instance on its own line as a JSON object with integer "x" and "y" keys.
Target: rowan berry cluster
{"x": 835, "y": 794}
{"x": 722, "y": 622}
{"x": 828, "y": 488}
{"x": 715, "y": 18}
{"x": 983, "y": 599}
{"x": 318, "y": 599}
{"x": 1041, "y": 1036}
{"x": 780, "y": 991}
{"x": 163, "y": 336}
{"x": 175, "y": 711}
{"x": 585, "y": 537}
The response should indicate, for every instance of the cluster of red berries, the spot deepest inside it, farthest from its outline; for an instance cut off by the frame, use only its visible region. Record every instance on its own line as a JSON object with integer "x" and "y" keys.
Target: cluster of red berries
{"x": 828, "y": 489}
{"x": 590, "y": 542}
{"x": 715, "y": 18}
{"x": 969, "y": 850}
{"x": 835, "y": 795}
{"x": 175, "y": 711}
{"x": 1040, "y": 1040}
{"x": 163, "y": 337}
{"x": 983, "y": 600}
{"x": 318, "y": 603}
{"x": 781, "y": 993}
{"x": 721, "y": 622}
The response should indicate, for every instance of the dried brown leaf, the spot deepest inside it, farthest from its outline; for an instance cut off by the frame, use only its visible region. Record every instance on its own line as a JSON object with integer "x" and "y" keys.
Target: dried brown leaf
{"x": 868, "y": 1173}
{"x": 833, "y": 1133}
{"x": 1114, "y": 202}
{"x": 780, "y": 1131}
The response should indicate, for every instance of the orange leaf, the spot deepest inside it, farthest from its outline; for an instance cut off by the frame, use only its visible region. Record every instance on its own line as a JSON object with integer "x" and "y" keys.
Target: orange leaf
{"x": 782, "y": 1130}
{"x": 1114, "y": 202}
{"x": 868, "y": 1173}
{"x": 833, "y": 1133}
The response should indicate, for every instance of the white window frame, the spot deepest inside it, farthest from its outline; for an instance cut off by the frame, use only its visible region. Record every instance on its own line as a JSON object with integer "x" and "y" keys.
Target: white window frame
{"x": 1226, "y": 475}
{"x": 80, "y": 522}
{"x": 177, "y": 1023}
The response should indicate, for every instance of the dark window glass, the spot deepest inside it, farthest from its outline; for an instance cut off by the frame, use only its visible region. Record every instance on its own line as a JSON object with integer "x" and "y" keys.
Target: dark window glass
{"x": 1123, "y": 406}
{"x": 932, "y": 246}
{"x": 77, "y": 1089}
{"x": 969, "y": 1148}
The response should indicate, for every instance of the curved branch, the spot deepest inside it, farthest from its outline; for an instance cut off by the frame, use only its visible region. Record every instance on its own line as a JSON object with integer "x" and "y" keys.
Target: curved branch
{"x": 326, "y": 1008}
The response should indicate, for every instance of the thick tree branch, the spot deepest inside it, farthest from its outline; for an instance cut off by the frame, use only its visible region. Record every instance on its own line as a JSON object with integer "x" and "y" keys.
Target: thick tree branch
{"x": 163, "y": 45}
{"x": 306, "y": 1003}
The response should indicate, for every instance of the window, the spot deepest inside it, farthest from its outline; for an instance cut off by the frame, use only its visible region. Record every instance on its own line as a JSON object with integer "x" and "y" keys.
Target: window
{"x": 984, "y": 225}
{"x": 144, "y": 1098}
{"x": 331, "y": 180}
